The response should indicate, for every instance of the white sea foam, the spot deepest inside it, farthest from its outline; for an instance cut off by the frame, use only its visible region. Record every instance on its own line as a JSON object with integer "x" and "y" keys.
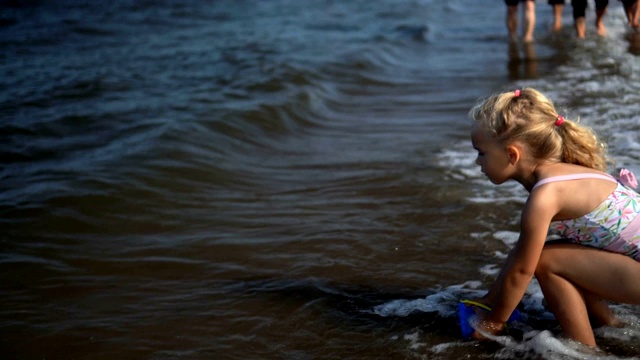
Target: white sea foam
{"x": 444, "y": 347}
{"x": 508, "y": 237}
{"x": 444, "y": 302}
{"x": 489, "y": 270}
{"x": 535, "y": 343}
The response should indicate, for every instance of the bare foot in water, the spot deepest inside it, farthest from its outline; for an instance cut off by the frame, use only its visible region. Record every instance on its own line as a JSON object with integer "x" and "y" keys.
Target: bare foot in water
{"x": 581, "y": 27}
{"x": 601, "y": 29}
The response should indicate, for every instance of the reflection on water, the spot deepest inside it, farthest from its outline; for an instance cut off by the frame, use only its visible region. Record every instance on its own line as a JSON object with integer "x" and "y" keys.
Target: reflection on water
{"x": 633, "y": 38}
{"x": 523, "y": 61}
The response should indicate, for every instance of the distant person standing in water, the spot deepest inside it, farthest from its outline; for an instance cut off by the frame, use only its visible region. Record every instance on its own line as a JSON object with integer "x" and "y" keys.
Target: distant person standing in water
{"x": 632, "y": 10}
{"x": 528, "y": 19}
{"x": 558, "y": 7}
{"x": 579, "y": 11}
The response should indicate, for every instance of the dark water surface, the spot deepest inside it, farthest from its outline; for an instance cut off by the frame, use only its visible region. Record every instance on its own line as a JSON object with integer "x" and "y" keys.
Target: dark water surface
{"x": 274, "y": 179}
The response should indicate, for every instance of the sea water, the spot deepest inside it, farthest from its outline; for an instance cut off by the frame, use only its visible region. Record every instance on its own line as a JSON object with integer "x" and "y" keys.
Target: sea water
{"x": 276, "y": 179}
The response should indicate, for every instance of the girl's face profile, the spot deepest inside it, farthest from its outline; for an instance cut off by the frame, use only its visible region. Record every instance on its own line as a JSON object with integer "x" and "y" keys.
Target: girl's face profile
{"x": 492, "y": 155}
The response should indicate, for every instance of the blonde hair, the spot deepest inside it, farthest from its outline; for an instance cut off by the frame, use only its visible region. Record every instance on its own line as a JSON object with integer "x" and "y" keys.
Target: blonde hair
{"x": 528, "y": 117}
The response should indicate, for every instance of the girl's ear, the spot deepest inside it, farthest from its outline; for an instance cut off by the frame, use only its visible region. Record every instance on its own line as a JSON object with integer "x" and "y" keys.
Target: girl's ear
{"x": 514, "y": 154}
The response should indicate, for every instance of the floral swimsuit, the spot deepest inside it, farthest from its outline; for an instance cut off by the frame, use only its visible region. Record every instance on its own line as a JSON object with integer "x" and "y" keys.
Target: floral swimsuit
{"x": 614, "y": 225}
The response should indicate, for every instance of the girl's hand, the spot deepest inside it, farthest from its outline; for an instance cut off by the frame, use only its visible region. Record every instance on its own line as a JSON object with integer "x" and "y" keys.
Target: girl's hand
{"x": 486, "y": 326}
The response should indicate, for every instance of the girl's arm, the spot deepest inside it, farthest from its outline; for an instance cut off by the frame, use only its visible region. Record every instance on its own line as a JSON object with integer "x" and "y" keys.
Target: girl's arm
{"x": 514, "y": 278}
{"x": 490, "y": 297}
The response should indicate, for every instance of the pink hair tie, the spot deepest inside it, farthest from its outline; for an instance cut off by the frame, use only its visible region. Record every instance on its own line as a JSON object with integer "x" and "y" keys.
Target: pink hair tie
{"x": 560, "y": 120}
{"x": 517, "y": 93}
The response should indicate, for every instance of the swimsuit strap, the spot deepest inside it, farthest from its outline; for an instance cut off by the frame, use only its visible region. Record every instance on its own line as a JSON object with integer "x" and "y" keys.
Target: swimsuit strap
{"x": 574, "y": 177}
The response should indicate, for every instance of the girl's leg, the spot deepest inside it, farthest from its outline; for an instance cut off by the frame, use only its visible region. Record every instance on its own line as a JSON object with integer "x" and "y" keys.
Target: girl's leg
{"x": 600, "y": 313}
{"x": 565, "y": 301}
{"x": 575, "y": 278}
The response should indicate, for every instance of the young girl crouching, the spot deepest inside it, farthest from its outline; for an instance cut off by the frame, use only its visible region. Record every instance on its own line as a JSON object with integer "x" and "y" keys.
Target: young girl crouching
{"x": 520, "y": 136}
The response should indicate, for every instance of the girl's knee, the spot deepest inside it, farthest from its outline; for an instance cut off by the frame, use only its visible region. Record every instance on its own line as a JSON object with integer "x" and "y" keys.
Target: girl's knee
{"x": 548, "y": 261}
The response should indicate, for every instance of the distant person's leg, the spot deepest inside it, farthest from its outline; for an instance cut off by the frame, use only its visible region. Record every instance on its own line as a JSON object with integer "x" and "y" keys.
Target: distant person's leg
{"x": 529, "y": 20}
{"x": 558, "y": 8}
{"x": 512, "y": 18}
{"x": 628, "y": 10}
{"x": 601, "y": 10}
{"x": 579, "y": 11}
{"x": 632, "y": 11}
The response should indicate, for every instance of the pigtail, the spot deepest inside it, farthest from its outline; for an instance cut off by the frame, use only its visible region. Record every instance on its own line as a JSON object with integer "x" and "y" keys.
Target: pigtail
{"x": 581, "y": 146}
